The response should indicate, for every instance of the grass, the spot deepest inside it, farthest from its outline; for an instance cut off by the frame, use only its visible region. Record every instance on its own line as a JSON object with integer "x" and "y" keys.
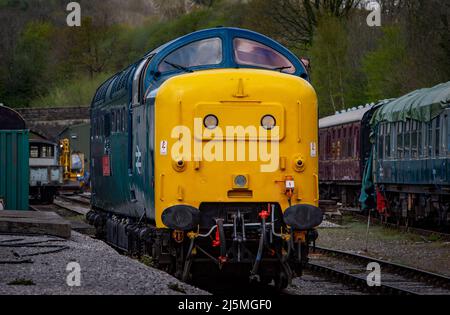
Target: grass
{"x": 380, "y": 232}
{"x": 176, "y": 287}
{"x": 148, "y": 261}
{"x": 73, "y": 93}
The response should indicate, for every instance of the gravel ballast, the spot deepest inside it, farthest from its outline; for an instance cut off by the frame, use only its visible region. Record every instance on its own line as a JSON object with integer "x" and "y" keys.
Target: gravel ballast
{"x": 409, "y": 249}
{"x": 103, "y": 270}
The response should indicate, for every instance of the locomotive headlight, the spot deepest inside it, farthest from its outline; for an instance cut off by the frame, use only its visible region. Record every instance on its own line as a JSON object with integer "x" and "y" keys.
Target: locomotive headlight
{"x": 240, "y": 182}
{"x": 268, "y": 122}
{"x": 211, "y": 122}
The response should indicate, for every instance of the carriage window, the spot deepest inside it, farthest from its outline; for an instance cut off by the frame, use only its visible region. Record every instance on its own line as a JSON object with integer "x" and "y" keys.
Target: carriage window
{"x": 350, "y": 142}
{"x": 251, "y": 53}
{"x": 437, "y": 143}
{"x": 46, "y": 151}
{"x": 387, "y": 141}
{"x": 400, "y": 140}
{"x": 201, "y": 53}
{"x": 420, "y": 142}
{"x": 430, "y": 139}
{"x": 329, "y": 145}
{"x": 34, "y": 151}
{"x": 414, "y": 142}
{"x": 357, "y": 143}
{"x": 407, "y": 139}
{"x": 381, "y": 142}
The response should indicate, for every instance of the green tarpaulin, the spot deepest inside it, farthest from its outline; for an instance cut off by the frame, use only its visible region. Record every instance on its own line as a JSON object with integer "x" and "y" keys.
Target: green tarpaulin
{"x": 367, "y": 197}
{"x": 422, "y": 105}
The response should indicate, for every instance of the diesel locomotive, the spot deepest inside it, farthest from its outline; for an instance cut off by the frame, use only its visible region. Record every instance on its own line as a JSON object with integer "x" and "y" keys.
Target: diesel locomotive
{"x": 204, "y": 152}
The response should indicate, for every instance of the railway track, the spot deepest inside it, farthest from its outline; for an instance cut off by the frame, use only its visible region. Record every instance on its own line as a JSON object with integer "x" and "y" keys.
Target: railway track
{"x": 335, "y": 266}
{"x": 81, "y": 199}
{"x": 396, "y": 279}
{"x": 70, "y": 211}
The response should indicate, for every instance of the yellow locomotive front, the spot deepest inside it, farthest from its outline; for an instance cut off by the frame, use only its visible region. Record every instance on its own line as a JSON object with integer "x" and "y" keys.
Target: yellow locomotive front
{"x": 236, "y": 169}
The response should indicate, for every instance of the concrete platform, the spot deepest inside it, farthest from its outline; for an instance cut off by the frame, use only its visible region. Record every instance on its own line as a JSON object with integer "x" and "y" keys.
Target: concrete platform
{"x": 34, "y": 223}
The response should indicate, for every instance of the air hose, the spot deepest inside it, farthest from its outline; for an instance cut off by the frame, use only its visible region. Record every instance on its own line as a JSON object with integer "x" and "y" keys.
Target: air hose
{"x": 260, "y": 249}
{"x": 223, "y": 242}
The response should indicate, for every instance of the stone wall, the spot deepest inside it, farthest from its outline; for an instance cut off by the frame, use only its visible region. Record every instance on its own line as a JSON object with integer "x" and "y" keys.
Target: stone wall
{"x": 50, "y": 122}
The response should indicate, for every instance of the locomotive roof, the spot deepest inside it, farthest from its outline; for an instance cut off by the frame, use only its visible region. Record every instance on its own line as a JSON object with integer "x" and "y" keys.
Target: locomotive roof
{"x": 121, "y": 82}
{"x": 421, "y": 105}
{"x": 345, "y": 117}
{"x": 10, "y": 119}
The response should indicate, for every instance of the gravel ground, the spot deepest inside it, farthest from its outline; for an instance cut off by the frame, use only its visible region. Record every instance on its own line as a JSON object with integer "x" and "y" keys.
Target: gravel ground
{"x": 310, "y": 284}
{"x": 103, "y": 270}
{"x": 408, "y": 249}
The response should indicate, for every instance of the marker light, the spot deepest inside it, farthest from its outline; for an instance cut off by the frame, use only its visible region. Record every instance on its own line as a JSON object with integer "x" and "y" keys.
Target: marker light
{"x": 211, "y": 122}
{"x": 240, "y": 181}
{"x": 268, "y": 122}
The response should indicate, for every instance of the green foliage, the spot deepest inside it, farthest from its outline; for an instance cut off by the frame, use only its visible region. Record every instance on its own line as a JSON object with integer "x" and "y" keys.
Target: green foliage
{"x": 29, "y": 64}
{"x": 330, "y": 69}
{"x": 78, "y": 92}
{"x": 50, "y": 64}
{"x": 386, "y": 67}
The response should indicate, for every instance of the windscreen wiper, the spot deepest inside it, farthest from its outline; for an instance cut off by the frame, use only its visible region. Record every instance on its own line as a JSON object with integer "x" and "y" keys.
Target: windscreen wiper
{"x": 178, "y": 67}
{"x": 282, "y": 68}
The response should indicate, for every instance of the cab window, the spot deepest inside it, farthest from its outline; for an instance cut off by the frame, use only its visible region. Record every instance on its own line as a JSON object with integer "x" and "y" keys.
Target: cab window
{"x": 251, "y": 53}
{"x": 201, "y": 53}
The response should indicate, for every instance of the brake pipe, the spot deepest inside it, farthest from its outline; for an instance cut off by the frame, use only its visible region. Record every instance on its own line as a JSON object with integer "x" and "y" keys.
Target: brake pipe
{"x": 222, "y": 241}
{"x": 244, "y": 238}
{"x": 188, "y": 263}
{"x": 288, "y": 254}
{"x": 261, "y": 247}
{"x": 273, "y": 223}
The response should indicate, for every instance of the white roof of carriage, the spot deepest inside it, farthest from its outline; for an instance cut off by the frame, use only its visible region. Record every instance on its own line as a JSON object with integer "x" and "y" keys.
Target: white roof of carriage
{"x": 345, "y": 117}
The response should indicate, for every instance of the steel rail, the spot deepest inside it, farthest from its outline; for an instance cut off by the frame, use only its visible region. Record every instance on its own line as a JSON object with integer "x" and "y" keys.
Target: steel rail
{"x": 358, "y": 283}
{"x": 441, "y": 281}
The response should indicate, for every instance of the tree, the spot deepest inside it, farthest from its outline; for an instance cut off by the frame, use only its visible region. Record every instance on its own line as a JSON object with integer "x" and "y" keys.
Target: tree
{"x": 27, "y": 73}
{"x": 92, "y": 46}
{"x": 296, "y": 20}
{"x": 386, "y": 67}
{"x": 330, "y": 67}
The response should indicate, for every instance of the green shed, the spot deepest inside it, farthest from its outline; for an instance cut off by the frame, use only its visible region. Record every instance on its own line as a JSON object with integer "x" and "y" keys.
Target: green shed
{"x": 14, "y": 161}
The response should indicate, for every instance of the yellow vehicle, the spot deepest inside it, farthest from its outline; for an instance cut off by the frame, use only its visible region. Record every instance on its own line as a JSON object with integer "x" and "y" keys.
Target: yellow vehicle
{"x": 215, "y": 160}
{"x": 72, "y": 162}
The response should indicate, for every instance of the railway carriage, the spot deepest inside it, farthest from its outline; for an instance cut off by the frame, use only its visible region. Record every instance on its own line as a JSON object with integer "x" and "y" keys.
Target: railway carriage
{"x": 343, "y": 153}
{"x": 412, "y": 157}
{"x": 168, "y": 181}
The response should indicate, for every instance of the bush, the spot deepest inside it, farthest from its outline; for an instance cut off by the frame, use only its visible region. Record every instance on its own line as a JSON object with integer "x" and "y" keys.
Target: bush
{"x": 73, "y": 93}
